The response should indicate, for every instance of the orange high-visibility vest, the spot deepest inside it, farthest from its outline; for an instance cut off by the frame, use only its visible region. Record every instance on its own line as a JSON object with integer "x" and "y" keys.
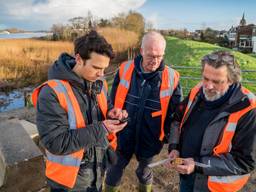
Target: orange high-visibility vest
{"x": 63, "y": 169}
{"x": 170, "y": 79}
{"x": 224, "y": 183}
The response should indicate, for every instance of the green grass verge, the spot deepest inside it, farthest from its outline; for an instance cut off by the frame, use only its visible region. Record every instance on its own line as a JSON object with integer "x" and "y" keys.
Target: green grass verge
{"x": 188, "y": 53}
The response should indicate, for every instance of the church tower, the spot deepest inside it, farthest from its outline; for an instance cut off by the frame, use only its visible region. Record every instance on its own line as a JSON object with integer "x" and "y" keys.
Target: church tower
{"x": 243, "y": 21}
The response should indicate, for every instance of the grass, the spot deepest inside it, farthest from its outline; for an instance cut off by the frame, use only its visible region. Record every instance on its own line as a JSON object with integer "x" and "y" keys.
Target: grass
{"x": 187, "y": 54}
{"x": 25, "y": 62}
{"x": 253, "y": 55}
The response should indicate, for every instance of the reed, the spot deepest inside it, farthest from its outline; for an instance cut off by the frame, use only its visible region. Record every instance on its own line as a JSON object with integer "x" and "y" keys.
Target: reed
{"x": 25, "y": 62}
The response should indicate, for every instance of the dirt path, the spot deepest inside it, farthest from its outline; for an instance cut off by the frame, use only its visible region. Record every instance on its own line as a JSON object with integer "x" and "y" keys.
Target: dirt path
{"x": 164, "y": 180}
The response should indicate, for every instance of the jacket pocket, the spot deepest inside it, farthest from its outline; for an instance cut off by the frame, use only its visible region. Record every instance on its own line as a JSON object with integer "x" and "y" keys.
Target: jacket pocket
{"x": 156, "y": 113}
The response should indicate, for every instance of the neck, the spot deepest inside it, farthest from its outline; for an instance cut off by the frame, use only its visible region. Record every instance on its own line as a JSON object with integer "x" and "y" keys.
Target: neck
{"x": 76, "y": 70}
{"x": 142, "y": 68}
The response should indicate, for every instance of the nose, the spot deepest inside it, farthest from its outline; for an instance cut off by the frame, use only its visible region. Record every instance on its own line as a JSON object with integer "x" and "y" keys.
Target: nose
{"x": 100, "y": 73}
{"x": 155, "y": 59}
{"x": 209, "y": 85}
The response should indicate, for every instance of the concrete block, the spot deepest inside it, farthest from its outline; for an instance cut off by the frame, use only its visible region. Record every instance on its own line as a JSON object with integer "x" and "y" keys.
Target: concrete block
{"x": 30, "y": 128}
{"x": 21, "y": 161}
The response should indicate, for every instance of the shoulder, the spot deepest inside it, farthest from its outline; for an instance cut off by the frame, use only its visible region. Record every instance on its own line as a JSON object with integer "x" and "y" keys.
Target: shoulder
{"x": 46, "y": 93}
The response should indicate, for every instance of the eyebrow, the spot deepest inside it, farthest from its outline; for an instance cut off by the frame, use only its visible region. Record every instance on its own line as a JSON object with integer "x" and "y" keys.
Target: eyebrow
{"x": 97, "y": 67}
{"x": 214, "y": 81}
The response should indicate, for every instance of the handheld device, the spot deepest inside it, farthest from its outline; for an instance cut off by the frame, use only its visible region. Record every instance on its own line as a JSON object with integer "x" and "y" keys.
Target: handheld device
{"x": 124, "y": 120}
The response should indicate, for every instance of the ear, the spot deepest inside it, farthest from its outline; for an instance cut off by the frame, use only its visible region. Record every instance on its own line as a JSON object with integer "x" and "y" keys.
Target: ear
{"x": 78, "y": 58}
{"x": 230, "y": 82}
{"x": 141, "y": 51}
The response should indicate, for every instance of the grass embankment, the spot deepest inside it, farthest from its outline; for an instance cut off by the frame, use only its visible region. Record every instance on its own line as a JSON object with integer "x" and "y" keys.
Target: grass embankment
{"x": 25, "y": 62}
{"x": 187, "y": 53}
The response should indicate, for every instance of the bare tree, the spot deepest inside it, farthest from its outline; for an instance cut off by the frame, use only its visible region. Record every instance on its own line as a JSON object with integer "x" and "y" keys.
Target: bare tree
{"x": 149, "y": 26}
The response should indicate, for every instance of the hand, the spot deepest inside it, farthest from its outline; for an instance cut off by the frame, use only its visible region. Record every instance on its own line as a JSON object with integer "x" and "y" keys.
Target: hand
{"x": 117, "y": 113}
{"x": 172, "y": 155}
{"x": 187, "y": 167}
{"x": 113, "y": 126}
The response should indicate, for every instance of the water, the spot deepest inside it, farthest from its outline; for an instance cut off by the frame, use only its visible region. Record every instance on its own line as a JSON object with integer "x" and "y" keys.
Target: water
{"x": 15, "y": 99}
{"x": 22, "y": 35}
{"x": 11, "y": 100}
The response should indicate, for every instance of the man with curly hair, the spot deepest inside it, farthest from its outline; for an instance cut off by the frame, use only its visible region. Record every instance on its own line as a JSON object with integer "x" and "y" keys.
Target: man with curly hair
{"x": 71, "y": 116}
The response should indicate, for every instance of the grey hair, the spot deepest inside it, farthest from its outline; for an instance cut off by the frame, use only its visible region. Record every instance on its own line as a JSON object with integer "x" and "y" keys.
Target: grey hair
{"x": 152, "y": 35}
{"x": 234, "y": 71}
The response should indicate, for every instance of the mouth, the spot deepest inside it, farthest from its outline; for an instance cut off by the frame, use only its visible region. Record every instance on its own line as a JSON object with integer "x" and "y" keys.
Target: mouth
{"x": 152, "y": 65}
{"x": 211, "y": 93}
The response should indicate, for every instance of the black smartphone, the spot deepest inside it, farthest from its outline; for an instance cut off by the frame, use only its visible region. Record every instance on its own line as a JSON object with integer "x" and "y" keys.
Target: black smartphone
{"x": 124, "y": 120}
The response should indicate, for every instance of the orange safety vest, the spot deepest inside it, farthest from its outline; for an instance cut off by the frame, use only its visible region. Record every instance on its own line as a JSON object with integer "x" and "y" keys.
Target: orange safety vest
{"x": 225, "y": 183}
{"x": 63, "y": 169}
{"x": 170, "y": 79}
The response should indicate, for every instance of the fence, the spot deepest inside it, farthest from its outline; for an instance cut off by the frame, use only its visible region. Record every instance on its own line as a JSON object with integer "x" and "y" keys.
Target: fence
{"x": 190, "y": 76}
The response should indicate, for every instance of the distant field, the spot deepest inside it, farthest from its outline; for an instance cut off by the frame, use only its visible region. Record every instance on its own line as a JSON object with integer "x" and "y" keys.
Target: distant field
{"x": 188, "y": 53}
{"x": 25, "y": 62}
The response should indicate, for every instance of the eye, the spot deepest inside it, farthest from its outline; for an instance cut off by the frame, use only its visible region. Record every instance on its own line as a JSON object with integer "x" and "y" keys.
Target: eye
{"x": 216, "y": 82}
{"x": 97, "y": 68}
{"x": 205, "y": 79}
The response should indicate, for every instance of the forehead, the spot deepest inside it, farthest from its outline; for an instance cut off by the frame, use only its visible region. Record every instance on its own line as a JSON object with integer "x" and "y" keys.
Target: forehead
{"x": 99, "y": 60}
{"x": 215, "y": 73}
{"x": 154, "y": 46}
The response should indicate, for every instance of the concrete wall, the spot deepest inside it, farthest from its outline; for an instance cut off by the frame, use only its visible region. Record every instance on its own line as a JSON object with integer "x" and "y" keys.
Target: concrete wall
{"x": 21, "y": 161}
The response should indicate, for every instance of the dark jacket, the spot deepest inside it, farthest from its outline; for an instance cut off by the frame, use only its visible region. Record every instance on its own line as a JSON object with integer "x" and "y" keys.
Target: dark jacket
{"x": 242, "y": 157}
{"x": 52, "y": 121}
{"x": 141, "y": 136}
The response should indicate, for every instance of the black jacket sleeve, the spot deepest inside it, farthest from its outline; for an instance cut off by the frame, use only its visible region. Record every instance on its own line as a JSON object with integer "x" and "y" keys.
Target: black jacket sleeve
{"x": 176, "y": 98}
{"x": 174, "y": 136}
{"x": 242, "y": 157}
{"x": 53, "y": 127}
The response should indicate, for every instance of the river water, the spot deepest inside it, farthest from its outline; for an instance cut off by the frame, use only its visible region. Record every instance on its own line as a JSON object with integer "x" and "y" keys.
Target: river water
{"x": 11, "y": 100}
{"x": 22, "y": 35}
{"x": 15, "y": 99}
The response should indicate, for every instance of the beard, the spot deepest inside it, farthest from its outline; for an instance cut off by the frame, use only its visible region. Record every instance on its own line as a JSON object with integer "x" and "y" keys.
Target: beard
{"x": 213, "y": 97}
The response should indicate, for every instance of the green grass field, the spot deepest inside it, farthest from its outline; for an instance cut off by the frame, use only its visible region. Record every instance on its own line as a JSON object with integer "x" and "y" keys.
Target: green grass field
{"x": 187, "y": 53}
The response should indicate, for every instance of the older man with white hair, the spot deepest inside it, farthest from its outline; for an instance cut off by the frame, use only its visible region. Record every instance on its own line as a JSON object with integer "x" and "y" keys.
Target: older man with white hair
{"x": 149, "y": 90}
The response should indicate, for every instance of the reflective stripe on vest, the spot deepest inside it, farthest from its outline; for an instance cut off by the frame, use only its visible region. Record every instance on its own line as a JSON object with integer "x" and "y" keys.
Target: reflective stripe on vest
{"x": 226, "y": 179}
{"x": 102, "y": 99}
{"x": 191, "y": 99}
{"x": 125, "y": 74}
{"x": 170, "y": 80}
{"x": 230, "y": 128}
{"x": 67, "y": 160}
{"x": 225, "y": 183}
{"x": 63, "y": 169}
{"x": 61, "y": 89}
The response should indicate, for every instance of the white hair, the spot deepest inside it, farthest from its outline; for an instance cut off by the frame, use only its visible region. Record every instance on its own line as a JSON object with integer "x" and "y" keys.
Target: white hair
{"x": 153, "y": 36}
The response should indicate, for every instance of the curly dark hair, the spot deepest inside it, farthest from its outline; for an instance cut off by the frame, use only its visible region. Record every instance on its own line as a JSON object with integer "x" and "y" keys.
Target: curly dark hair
{"x": 92, "y": 42}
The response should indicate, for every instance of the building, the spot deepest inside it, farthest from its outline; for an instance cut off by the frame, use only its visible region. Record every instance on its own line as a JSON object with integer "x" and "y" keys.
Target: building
{"x": 254, "y": 40}
{"x": 243, "y": 37}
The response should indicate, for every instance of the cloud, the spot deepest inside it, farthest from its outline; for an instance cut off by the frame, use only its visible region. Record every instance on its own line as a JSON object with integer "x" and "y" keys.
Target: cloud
{"x": 48, "y": 12}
